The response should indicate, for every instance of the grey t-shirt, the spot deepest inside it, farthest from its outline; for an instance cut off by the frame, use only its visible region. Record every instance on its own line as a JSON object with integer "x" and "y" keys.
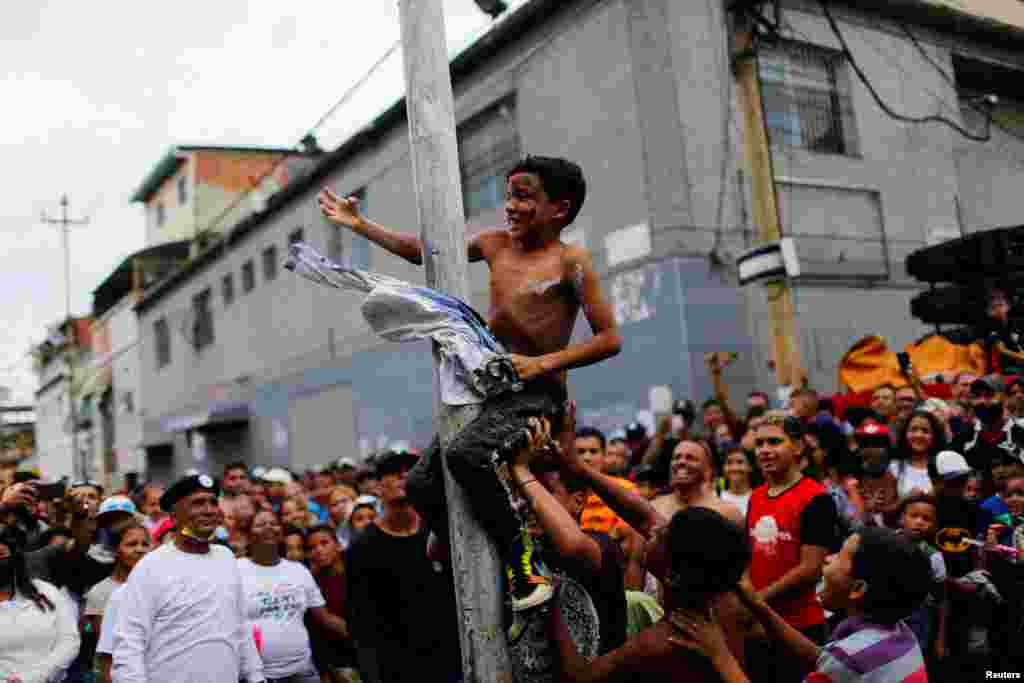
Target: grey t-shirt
{"x": 98, "y": 596}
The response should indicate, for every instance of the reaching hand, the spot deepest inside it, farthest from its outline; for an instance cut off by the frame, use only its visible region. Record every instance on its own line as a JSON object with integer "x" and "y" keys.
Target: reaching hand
{"x": 337, "y": 210}
{"x": 538, "y": 438}
{"x": 567, "y": 438}
{"x": 699, "y": 632}
{"x": 18, "y": 495}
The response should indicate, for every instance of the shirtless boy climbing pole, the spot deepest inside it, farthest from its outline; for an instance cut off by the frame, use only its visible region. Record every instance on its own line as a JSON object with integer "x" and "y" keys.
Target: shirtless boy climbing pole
{"x": 538, "y": 285}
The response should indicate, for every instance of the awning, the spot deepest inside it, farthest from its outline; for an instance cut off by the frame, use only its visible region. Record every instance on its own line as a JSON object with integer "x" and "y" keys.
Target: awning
{"x": 227, "y": 412}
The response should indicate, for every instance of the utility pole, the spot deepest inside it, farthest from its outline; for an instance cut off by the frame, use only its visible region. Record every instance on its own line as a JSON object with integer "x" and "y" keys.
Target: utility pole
{"x": 764, "y": 200}
{"x": 71, "y": 346}
{"x": 435, "y": 164}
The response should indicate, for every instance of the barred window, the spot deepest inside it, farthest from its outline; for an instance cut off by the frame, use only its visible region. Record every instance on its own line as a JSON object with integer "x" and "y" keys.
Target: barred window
{"x": 296, "y": 236}
{"x": 269, "y": 263}
{"x": 806, "y": 98}
{"x": 162, "y": 335}
{"x": 227, "y": 287}
{"x": 203, "y": 331}
{"x": 488, "y": 149}
{"x": 248, "y": 276}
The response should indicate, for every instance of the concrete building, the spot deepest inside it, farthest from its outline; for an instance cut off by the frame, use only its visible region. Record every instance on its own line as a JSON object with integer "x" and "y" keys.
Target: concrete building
{"x": 60, "y": 364}
{"x": 17, "y": 436}
{"x": 238, "y": 359}
{"x": 194, "y": 192}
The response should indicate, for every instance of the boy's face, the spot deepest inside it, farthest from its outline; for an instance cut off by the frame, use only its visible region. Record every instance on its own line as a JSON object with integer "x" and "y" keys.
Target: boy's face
{"x": 528, "y": 207}
{"x": 918, "y": 520}
{"x": 999, "y": 308}
{"x": 776, "y": 451}
{"x": 841, "y": 589}
{"x": 589, "y": 450}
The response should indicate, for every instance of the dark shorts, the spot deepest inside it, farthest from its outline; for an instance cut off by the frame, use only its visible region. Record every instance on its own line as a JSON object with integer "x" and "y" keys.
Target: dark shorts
{"x": 471, "y": 461}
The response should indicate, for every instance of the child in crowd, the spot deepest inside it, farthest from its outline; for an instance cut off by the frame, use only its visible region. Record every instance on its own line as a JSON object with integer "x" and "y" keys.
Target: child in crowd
{"x": 917, "y": 519}
{"x": 739, "y": 477}
{"x": 878, "y": 578}
{"x": 1007, "y": 569}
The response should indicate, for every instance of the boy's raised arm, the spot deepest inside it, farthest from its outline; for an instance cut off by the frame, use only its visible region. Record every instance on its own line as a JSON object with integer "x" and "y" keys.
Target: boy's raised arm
{"x": 345, "y": 212}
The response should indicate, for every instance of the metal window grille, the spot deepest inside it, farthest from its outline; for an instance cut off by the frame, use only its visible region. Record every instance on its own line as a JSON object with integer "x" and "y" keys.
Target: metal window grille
{"x": 806, "y": 98}
{"x": 296, "y": 235}
{"x": 162, "y": 334}
{"x": 203, "y": 319}
{"x": 488, "y": 149}
{"x": 227, "y": 288}
{"x": 269, "y": 263}
{"x": 248, "y": 276}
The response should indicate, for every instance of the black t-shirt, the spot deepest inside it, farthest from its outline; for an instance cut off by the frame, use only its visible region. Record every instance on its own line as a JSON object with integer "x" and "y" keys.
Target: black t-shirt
{"x": 982, "y": 454}
{"x": 1009, "y": 336}
{"x": 819, "y": 523}
{"x": 956, "y": 520}
{"x": 402, "y": 606}
{"x": 606, "y": 587}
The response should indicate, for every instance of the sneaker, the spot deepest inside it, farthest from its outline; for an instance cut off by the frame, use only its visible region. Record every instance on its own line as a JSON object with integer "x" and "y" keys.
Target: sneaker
{"x": 528, "y": 586}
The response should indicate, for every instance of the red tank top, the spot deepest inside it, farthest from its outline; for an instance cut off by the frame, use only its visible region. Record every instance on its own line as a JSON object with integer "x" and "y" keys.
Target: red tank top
{"x": 774, "y": 527}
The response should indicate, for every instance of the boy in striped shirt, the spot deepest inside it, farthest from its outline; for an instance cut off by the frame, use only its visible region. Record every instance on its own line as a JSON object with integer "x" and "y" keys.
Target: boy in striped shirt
{"x": 879, "y": 578}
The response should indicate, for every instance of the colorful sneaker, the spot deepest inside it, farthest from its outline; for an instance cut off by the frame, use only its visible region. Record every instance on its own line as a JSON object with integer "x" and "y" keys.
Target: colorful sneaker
{"x": 527, "y": 584}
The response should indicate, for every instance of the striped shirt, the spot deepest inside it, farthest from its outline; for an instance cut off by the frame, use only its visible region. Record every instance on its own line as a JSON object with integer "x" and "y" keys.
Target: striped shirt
{"x": 865, "y": 652}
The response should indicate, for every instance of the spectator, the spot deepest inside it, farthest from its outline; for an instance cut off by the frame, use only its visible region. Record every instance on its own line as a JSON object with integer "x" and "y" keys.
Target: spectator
{"x": 883, "y": 402}
{"x": 238, "y": 514}
{"x": 596, "y": 516}
{"x": 879, "y": 577}
{"x": 590, "y": 557}
{"x": 693, "y": 467}
{"x": 792, "y": 523}
{"x": 150, "y": 506}
{"x": 332, "y": 644}
{"x": 276, "y": 480}
{"x": 616, "y": 455}
{"x": 364, "y": 514}
{"x": 320, "y": 494}
{"x": 182, "y": 611}
{"x": 922, "y": 439}
{"x": 1004, "y": 340}
{"x": 918, "y": 514}
{"x": 294, "y": 544}
{"x": 57, "y": 535}
{"x": 295, "y": 513}
{"x": 278, "y": 596}
{"x": 739, "y": 478}
{"x": 961, "y": 389}
{"x": 647, "y": 481}
{"x": 402, "y": 611}
{"x": 992, "y": 439}
{"x": 340, "y": 504}
{"x": 38, "y": 634}
{"x": 236, "y": 480}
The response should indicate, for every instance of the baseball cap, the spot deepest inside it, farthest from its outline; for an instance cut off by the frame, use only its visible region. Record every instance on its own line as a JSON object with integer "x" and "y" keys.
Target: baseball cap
{"x": 346, "y": 463}
{"x": 277, "y": 475}
{"x": 869, "y": 429}
{"x": 951, "y": 465}
{"x": 984, "y": 385}
{"x": 365, "y": 501}
{"x": 258, "y": 472}
{"x": 113, "y": 508}
{"x": 635, "y": 430}
{"x": 685, "y": 408}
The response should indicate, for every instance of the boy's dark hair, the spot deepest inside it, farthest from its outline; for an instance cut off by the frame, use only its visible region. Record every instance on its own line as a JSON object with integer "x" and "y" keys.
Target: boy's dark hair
{"x": 756, "y": 411}
{"x": 592, "y": 433}
{"x": 710, "y": 403}
{"x": 320, "y": 529}
{"x": 709, "y": 555}
{"x": 924, "y": 498}
{"x": 561, "y": 178}
{"x": 236, "y": 465}
{"x": 897, "y": 572}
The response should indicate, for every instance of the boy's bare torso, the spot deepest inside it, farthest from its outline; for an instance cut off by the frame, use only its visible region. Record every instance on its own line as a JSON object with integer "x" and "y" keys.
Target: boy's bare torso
{"x": 534, "y": 295}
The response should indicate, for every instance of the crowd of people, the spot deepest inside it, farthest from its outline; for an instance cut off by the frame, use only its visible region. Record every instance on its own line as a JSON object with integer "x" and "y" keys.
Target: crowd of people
{"x": 823, "y": 538}
{"x": 756, "y": 544}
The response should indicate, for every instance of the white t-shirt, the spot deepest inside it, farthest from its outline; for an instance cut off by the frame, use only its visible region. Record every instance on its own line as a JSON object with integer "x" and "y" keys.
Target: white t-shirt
{"x": 105, "y": 646}
{"x": 182, "y": 618}
{"x": 276, "y": 600}
{"x": 909, "y": 478}
{"x": 96, "y": 598}
{"x": 37, "y": 646}
{"x": 740, "y": 501}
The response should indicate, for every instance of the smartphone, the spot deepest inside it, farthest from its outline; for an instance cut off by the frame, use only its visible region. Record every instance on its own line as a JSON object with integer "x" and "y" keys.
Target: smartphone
{"x": 51, "y": 491}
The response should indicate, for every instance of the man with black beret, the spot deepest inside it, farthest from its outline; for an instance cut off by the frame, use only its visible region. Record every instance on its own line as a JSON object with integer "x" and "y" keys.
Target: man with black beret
{"x": 182, "y": 616}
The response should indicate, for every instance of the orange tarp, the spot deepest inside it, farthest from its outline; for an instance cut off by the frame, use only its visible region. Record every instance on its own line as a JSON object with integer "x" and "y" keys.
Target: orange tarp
{"x": 870, "y": 364}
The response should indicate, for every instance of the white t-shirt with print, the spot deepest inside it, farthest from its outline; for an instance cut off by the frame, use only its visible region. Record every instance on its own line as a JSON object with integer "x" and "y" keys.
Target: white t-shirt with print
{"x": 276, "y": 600}
{"x": 909, "y": 478}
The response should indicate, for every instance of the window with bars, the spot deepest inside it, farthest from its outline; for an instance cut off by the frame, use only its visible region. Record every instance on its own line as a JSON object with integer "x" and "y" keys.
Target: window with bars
{"x": 296, "y": 235}
{"x": 806, "y": 98}
{"x": 488, "y": 149}
{"x": 248, "y": 276}
{"x": 227, "y": 288}
{"x": 269, "y": 263}
{"x": 162, "y": 335}
{"x": 203, "y": 319}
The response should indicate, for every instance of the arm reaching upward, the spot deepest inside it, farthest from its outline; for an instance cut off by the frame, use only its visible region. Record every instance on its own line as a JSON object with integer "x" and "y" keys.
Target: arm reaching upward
{"x": 345, "y": 212}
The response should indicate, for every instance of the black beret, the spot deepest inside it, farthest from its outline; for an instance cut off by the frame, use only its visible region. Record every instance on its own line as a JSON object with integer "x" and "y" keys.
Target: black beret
{"x": 392, "y": 462}
{"x": 186, "y": 487}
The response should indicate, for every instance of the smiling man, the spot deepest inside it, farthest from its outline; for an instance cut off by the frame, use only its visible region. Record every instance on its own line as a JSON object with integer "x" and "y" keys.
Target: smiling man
{"x": 690, "y": 475}
{"x": 182, "y": 617}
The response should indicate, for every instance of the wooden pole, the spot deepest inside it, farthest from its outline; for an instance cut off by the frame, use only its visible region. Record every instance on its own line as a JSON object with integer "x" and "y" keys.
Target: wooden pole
{"x": 764, "y": 209}
{"x": 435, "y": 164}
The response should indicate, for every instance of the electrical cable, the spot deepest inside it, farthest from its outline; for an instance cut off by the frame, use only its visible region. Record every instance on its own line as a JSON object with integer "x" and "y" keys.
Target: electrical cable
{"x": 931, "y": 118}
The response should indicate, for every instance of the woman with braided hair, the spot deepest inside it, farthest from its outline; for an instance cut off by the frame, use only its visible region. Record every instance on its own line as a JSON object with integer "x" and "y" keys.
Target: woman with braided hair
{"x": 38, "y": 628}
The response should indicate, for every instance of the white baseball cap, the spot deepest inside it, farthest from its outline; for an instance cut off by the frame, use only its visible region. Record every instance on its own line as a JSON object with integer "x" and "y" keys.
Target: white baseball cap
{"x": 951, "y": 465}
{"x": 277, "y": 475}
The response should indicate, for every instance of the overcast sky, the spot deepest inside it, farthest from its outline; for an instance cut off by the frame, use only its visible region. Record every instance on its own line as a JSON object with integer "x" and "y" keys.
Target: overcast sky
{"x": 95, "y": 94}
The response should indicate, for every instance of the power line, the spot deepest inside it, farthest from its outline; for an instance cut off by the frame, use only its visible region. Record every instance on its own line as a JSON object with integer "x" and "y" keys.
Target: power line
{"x": 931, "y": 118}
